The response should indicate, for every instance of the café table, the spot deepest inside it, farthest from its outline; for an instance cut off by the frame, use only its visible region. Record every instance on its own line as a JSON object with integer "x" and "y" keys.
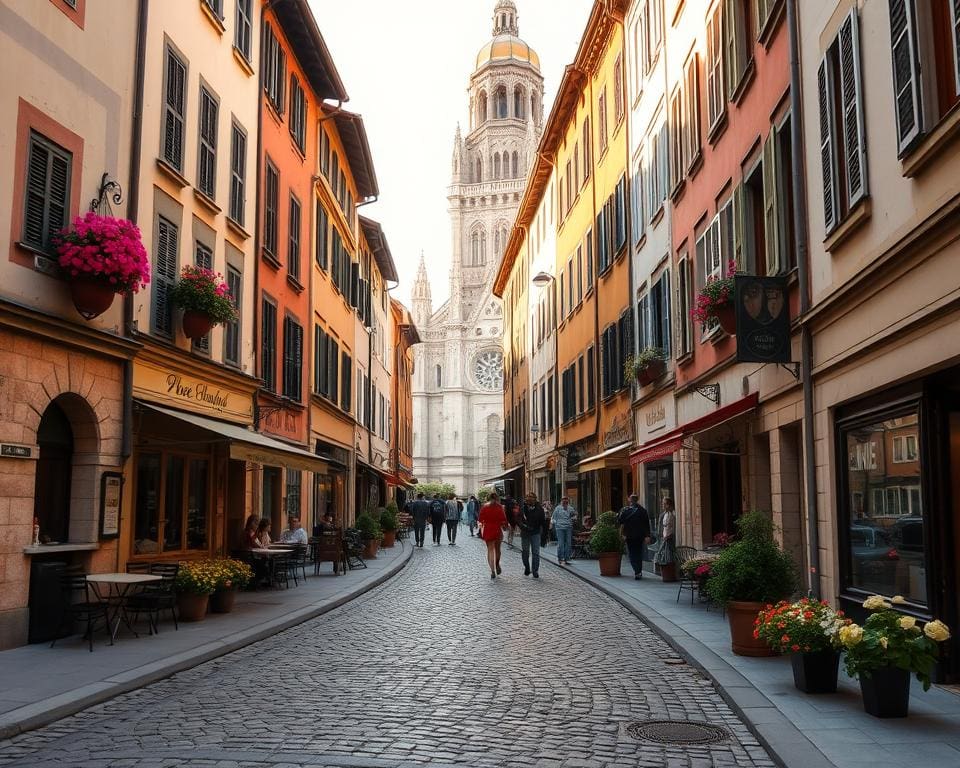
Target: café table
{"x": 269, "y": 553}
{"x": 117, "y": 586}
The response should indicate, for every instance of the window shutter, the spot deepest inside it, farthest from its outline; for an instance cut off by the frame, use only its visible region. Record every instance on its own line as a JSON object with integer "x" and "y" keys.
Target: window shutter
{"x": 739, "y": 232}
{"x": 851, "y": 89}
{"x": 354, "y": 284}
{"x": 906, "y": 70}
{"x": 204, "y": 259}
{"x": 955, "y": 31}
{"x": 297, "y": 362}
{"x": 347, "y": 389}
{"x": 770, "y": 207}
{"x": 828, "y": 158}
{"x": 164, "y": 274}
{"x": 173, "y": 112}
{"x": 665, "y": 313}
{"x": 47, "y": 196}
{"x": 730, "y": 46}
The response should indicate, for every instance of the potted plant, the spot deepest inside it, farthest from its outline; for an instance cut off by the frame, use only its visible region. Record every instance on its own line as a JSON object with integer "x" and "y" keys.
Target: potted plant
{"x": 645, "y": 367}
{"x": 809, "y": 631}
{"x": 750, "y": 573}
{"x": 607, "y": 544}
{"x": 886, "y": 650}
{"x": 205, "y": 300}
{"x": 370, "y": 533}
{"x": 231, "y": 575}
{"x": 715, "y": 301}
{"x": 194, "y": 583}
{"x": 101, "y": 256}
{"x": 388, "y": 524}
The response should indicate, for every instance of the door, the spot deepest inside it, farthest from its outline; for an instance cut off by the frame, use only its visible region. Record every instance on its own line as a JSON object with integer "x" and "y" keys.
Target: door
{"x": 53, "y": 477}
{"x": 658, "y": 486}
{"x": 952, "y": 611}
{"x": 725, "y": 491}
{"x": 272, "y": 497}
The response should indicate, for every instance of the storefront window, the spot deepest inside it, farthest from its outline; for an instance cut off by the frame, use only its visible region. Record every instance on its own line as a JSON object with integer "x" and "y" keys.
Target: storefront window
{"x": 178, "y": 486}
{"x": 884, "y": 508}
{"x": 293, "y": 492}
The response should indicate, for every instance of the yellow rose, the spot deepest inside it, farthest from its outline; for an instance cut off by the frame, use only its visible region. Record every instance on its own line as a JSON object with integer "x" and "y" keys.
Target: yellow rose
{"x": 898, "y": 600}
{"x": 907, "y": 622}
{"x": 851, "y": 634}
{"x": 875, "y": 603}
{"x": 883, "y": 643}
{"x": 936, "y": 630}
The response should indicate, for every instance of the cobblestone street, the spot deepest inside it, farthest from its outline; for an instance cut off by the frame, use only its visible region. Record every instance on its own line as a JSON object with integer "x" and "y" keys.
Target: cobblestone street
{"x": 439, "y": 666}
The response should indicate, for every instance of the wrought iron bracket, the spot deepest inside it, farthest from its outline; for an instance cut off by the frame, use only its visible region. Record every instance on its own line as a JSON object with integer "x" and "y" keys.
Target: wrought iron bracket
{"x": 710, "y": 391}
{"x": 792, "y": 368}
{"x": 109, "y": 192}
{"x": 265, "y": 412}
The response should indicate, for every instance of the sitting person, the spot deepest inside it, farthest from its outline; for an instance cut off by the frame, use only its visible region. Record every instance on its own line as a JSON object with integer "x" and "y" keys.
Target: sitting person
{"x": 294, "y": 533}
{"x": 263, "y": 534}
{"x": 326, "y": 524}
{"x": 250, "y": 532}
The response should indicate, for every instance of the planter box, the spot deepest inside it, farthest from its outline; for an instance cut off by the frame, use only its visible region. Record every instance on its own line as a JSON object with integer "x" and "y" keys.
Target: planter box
{"x": 741, "y": 616}
{"x": 609, "y": 563}
{"x": 815, "y": 672}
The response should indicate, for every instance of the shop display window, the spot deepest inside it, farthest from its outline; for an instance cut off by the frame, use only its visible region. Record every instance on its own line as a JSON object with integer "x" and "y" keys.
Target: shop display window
{"x": 172, "y": 503}
{"x": 882, "y": 507}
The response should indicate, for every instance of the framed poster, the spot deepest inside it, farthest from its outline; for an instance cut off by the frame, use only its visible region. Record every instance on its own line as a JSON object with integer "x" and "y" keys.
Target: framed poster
{"x": 111, "y": 495}
{"x": 763, "y": 319}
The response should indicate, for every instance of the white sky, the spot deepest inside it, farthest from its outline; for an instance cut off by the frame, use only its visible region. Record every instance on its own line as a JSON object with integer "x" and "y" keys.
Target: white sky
{"x": 406, "y": 66}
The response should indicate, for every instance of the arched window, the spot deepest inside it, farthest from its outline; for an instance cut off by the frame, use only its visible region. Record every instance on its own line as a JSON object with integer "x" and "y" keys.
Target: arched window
{"x": 518, "y": 102}
{"x": 496, "y": 243}
{"x": 479, "y": 169}
{"x": 483, "y": 248}
{"x": 496, "y": 166}
{"x": 501, "y": 102}
{"x": 439, "y": 371}
{"x": 482, "y": 108}
{"x": 533, "y": 108}
{"x": 475, "y": 249}
{"x": 515, "y": 160}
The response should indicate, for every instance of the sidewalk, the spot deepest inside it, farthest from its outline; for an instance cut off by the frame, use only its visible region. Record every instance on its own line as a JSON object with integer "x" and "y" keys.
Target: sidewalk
{"x": 42, "y": 684}
{"x": 812, "y": 731}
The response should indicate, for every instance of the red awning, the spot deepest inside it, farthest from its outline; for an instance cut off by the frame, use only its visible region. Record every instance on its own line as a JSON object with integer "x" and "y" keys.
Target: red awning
{"x": 670, "y": 442}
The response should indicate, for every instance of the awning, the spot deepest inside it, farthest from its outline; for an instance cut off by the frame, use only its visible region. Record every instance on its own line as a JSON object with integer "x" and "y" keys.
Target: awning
{"x": 503, "y": 475}
{"x": 247, "y": 445}
{"x": 609, "y": 458}
{"x": 670, "y": 442}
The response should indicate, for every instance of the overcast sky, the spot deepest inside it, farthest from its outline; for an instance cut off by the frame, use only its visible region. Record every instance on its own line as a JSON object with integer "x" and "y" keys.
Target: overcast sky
{"x": 406, "y": 66}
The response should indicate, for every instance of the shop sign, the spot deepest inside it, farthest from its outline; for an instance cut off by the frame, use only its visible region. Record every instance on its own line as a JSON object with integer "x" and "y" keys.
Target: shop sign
{"x": 12, "y": 451}
{"x": 191, "y": 393}
{"x": 619, "y": 432}
{"x": 111, "y": 487}
{"x": 763, "y": 319}
{"x": 656, "y": 415}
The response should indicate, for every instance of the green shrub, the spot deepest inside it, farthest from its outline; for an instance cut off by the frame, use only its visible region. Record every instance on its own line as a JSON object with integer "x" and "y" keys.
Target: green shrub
{"x": 368, "y": 527}
{"x": 608, "y": 518}
{"x": 388, "y": 518}
{"x": 753, "y": 568}
{"x": 605, "y": 538}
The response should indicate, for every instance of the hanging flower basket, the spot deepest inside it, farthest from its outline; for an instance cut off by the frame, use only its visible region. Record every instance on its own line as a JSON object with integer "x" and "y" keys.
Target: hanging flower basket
{"x": 727, "y": 317}
{"x": 101, "y": 256}
{"x": 715, "y": 301}
{"x": 645, "y": 367}
{"x": 205, "y": 300}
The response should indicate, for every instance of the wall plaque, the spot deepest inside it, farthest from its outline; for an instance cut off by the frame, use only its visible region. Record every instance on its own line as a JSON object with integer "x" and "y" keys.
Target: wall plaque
{"x": 16, "y": 451}
{"x": 111, "y": 497}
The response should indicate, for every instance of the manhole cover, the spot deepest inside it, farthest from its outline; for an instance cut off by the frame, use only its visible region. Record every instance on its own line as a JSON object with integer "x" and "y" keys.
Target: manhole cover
{"x": 677, "y": 732}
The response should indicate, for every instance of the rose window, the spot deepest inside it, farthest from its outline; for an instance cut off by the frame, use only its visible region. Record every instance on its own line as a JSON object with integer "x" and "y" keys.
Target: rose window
{"x": 488, "y": 369}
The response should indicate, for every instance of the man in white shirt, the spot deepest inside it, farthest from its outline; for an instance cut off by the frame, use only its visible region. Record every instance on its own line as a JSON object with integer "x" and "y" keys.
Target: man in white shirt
{"x": 295, "y": 533}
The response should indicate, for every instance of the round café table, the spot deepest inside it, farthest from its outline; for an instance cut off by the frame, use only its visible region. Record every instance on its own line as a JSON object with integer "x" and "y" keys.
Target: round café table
{"x": 269, "y": 554}
{"x": 117, "y": 585}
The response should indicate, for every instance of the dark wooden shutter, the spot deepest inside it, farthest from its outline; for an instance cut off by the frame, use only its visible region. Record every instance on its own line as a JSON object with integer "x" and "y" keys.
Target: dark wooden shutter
{"x": 207, "y": 172}
{"x": 354, "y": 284}
{"x": 204, "y": 259}
{"x": 955, "y": 33}
{"x": 851, "y": 92}
{"x": 232, "y": 329}
{"x": 906, "y": 72}
{"x": 346, "y": 390}
{"x": 47, "y": 198}
{"x": 665, "y": 316}
{"x": 293, "y": 243}
{"x": 321, "y": 244}
{"x": 828, "y": 158}
{"x": 174, "y": 111}
{"x": 164, "y": 275}
{"x": 238, "y": 164}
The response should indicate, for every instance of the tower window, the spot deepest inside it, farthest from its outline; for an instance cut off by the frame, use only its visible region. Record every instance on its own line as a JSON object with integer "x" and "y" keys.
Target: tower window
{"x": 439, "y": 372}
{"x": 501, "y": 102}
{"x": 516, "y": 165}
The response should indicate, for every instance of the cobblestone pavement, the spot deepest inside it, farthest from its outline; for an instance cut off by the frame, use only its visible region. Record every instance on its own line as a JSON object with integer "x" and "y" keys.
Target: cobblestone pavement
{"x": 440, "y": 666}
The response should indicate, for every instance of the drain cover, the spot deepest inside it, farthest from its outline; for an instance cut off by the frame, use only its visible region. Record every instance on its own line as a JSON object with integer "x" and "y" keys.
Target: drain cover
{"x": 682, "y": 732}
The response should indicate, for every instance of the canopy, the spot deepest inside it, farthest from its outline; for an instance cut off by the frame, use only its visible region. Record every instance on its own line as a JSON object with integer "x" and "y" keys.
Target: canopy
{"x": 608, "y": 458}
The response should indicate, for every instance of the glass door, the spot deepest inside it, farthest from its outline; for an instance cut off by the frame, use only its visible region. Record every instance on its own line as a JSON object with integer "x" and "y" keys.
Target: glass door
{"x": 658, "y": 482}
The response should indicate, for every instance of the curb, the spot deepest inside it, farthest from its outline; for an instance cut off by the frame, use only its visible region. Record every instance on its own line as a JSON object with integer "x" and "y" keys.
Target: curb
{"x": 49, "y": 710}
{"x": 786, "y": 744}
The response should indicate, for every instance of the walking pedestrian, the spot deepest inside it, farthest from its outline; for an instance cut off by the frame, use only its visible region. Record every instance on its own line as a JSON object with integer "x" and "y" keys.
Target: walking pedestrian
{"x": 530, "y": 522}
{"x": 452, "y": 519}
{"x": 438, "y": 511}
{"x": 510, "y": 509}
{"x": 668, "y": 524}
{"x": 635, "y": 528}
{"x": 562, "y": 519}
{"x": 473, "y": 510}
{"x": 419, "y": 510}
{"x": 493, "y": 522}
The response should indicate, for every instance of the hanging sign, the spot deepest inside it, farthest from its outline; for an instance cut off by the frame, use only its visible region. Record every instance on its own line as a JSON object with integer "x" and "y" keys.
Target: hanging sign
{"x": 763, "y": 319}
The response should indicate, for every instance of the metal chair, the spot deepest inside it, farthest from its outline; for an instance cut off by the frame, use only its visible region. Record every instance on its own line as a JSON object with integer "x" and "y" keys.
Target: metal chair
{"x": 73, "y": 585}
{"x": 297, "y": 561}
{"x": 682, "y": 555}
{"x": 328, "y": 547}
{"x": 353, "y": 548}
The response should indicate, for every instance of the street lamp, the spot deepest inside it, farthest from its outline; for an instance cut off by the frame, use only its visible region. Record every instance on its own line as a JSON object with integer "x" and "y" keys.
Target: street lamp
{"x": 543, "y": 279}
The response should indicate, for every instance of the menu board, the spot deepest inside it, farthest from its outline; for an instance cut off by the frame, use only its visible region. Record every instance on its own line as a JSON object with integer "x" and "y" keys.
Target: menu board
{"x": 111, "y": 496}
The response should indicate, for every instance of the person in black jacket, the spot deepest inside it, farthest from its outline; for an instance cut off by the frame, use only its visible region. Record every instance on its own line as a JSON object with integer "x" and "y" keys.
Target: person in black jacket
{"x": 635, "y": 528}
{"x": 438, "y": 513}
{"x": 419, "y": 510}
{"x": 530, "y": 520}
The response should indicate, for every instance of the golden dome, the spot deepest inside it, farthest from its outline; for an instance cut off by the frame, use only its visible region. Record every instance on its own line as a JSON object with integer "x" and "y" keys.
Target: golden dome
{"x": 504, "y": 48}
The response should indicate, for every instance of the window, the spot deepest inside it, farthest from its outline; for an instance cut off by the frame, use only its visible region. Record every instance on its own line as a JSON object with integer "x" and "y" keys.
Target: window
{"x": 581, "y": 403}
{"x": 602, "y": 118}
{"x": 710, "y": 258}
{"x": 271, "y": 209}
{"x": 587, "y": 155}
{"x": 216, "y": 6}
{"x": 231, "y": 330}
{"x": 737, "y": 43}
{"x": 551, "y": 404}
{"x": 203, "y": 258}
{"x": 242, "y": 35}
{"x": 47, "y": 194}
{"x": 207, "y": 149}
{"x": 346, "y": 385}
{"x": 678, "y": 119}
{"x": 904, "y": 449}
{"x": 274, "y": 69}
{"x": 268, "y": 347}
{"x": 326, "y": 360}
{"x": 570, "y": 280}
{"x": 294, "y": 477}
{"x": 174, "y": 109}
{"x": 716, "y": 91}
{"x": 620, "y": 215}
{"x": 439, "y": 372}
{"x": 643, "y": 321}
{"x": 293, "y": 245}
{"x": 691, "y": 125}
{"x": 591, "y": 368}
{"x": 843, "y": 150}
{"x": 323, "y": 247}
{"x": 637, "y": 220}
{"x": 298, "y": 113}
{"x": 659, "y": 329}
{"x": 173, "y": 496}
{"x": 563, "y": 297}
{"x": 618, "y": 89}
{"x": 238, "y": 173}
{"x": 292, "y": 359}
{"x": 926, "y": 65}
{"x": 659, "y": 171}
{"x": 579, "y": 274}
{"x": 164, "y": 275}
{"x": 684, "y": 306}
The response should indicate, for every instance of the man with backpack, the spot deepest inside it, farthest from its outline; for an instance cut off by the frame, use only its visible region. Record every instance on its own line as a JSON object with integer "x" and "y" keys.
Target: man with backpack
{"x": 438, "y": 513}
{"x": 635, "y": 528}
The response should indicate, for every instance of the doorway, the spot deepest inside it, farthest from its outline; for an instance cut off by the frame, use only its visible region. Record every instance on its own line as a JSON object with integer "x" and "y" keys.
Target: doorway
{"x": 725, "y": 490}
{"x": 272, "y": 498}
{"x": 53, "y": 477}
{"x": 658, "y": 485}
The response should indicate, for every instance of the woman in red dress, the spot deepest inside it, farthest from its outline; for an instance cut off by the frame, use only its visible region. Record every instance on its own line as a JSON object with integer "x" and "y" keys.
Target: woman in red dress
{"x": 493, "y": 521}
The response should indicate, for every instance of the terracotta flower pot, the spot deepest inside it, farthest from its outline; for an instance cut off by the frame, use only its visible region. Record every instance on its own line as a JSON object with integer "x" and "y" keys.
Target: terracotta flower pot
{"x": 727, "y": 317}
{"x": 654, "y": 370}
{"x": 370, "y": 548}
{"x": 196, "y": 325}
{"x": 222, "y": 600}
{"x": 609, "y": 563}
{"x": 886, "y": 693}
{"x": 91, "y": 297}
{"x": 668, "y": 572}
{"x": 741, "y": 616}
{"x": 389, "y": 538}
{"x": 191, "y": 607}
{"x": 815, "y": 672}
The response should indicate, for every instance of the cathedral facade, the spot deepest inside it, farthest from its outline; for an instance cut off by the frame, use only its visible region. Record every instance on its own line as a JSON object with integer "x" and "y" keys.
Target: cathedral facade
{"x": 458, "y": 379}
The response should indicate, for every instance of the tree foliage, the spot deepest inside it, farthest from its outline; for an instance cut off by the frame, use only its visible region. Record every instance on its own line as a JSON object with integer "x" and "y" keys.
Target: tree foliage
{"x": 430, "y": 489}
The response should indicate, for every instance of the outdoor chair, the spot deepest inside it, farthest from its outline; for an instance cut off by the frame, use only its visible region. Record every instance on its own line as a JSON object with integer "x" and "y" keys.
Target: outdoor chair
{"x": 329, "y": 547}
{"x": 297, "y": 561}
{"x": 280, "y": 570}
{"x": 353, "y": 548}
{"x": 156, "y": 597}
{"x": 682, "y": 555}
{"x": 139, "y": 567}
{"x": 77, "y": 606}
